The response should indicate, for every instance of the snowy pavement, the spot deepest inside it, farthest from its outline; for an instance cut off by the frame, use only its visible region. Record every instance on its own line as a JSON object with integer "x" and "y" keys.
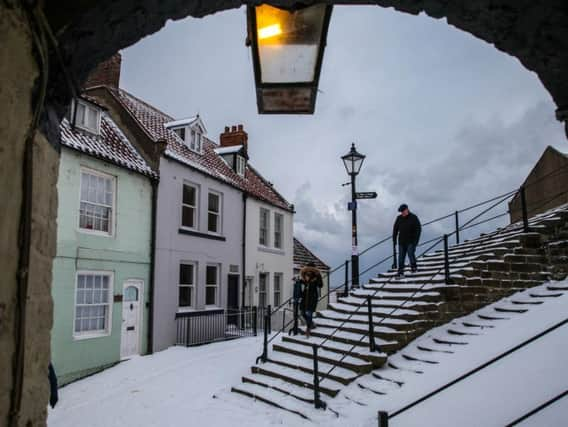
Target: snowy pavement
{"x": 191, "y": 386}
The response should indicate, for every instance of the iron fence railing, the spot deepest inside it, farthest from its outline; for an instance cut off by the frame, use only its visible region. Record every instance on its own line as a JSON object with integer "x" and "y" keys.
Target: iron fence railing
{"x": 203, "y": 327}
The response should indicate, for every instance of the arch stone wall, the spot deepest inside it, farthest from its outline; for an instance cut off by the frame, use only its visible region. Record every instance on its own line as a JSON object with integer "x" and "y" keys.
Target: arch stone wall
{"x": 89, "y": 31}
{"x": 534, "y": 31}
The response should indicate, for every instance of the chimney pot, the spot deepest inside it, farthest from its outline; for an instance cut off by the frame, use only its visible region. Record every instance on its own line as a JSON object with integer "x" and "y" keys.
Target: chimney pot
{"x": 233, "y": 137}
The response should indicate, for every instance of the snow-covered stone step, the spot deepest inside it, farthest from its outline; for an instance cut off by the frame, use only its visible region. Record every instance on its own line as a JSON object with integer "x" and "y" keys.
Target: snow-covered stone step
{"x": 352, "y": 363}
{"x": 398, "y": 324}
{"x": 272, "y": 398}
{"x": 407, "y": 287}
{"x": 398, "y": 300}
{"x": 302, "y": 393}
{"x": 332, "y": 371}
{"x": 358, "y": 351}
{"x": 418, "y": 294}
{"x": 379, "y": 331}
{"x": 353, "y": 338}
{"x": 297, "y": 377}
{"x": 401, "y": 313}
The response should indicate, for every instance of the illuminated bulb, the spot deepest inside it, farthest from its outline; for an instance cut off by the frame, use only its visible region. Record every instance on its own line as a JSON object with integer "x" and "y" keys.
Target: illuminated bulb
{"x": 270, "y": 31}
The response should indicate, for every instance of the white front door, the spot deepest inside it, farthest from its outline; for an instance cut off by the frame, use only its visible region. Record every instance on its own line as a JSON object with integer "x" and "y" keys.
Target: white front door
{"x": 130, "y": 337}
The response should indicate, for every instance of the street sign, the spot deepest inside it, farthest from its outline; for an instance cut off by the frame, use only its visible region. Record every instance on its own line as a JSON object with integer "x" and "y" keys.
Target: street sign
{"x": 367, "y": 195}
{"x": 351, "y": 205}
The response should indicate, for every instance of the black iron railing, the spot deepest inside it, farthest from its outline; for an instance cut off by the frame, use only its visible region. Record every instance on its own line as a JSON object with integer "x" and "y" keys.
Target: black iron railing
{"x": 203, "y": 327}
{"x": 524, "y": 225}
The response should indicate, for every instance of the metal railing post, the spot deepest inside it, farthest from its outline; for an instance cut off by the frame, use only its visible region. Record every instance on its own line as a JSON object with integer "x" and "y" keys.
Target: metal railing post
{"x": 372, "y": 344}
{"x": 187, "y": 331}
{"x": 457, "y": 227}
{"x": 296, "y": 313}
{"x": 264, "y": 354}
{"x": 269, "y": 308}
{"x": 318, "y": 403}
{"x": 446, "y": 260}
{"x": 255, "y": 320}
{"x": 383, "y": 419}
{"x": 524, "y": 208}
{"x": 394, "y": 263}
{"x": 346, "y": 278}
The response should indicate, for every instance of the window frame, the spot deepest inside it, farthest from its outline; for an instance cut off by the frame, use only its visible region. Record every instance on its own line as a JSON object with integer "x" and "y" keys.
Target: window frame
{"x": 240, "y": 164}
{"x": 195, "y": 207}
{"x": 217, "y": 285}
{"x": 112, "y": 218}
{"x": 179, "y": 129}
{"x": 192, "y": 306}
{"x": 266, "y": 291}
{"x": 77, "y": 336}
{"x": 81, "y": 124}
{"x": 278, "y": 232}
{"x": 266, "y": 242}
{"x": 219, "y": 213}
{"x": 280, "y": 277}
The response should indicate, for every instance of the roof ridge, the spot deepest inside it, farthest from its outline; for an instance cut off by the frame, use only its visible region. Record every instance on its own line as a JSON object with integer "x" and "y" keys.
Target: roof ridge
{"x": 269, "y": 184}
{"x": 157, "y": 110}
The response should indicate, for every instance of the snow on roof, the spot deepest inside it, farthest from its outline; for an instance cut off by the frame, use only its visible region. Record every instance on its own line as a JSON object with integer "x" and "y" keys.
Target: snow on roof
{"x": 181, "y": 122}
{"x": 228, "y": 150}
{"x": 111, "y": 145}
{"x": 154, "y": 121}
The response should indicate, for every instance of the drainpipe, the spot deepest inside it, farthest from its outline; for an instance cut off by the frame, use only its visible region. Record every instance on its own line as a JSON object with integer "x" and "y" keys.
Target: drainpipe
{"x": 150, "y": 341}
{"x": 244, "y": 249}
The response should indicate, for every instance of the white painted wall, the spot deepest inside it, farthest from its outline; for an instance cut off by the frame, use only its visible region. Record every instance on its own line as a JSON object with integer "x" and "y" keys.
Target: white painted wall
{"x": 267, "y": 259}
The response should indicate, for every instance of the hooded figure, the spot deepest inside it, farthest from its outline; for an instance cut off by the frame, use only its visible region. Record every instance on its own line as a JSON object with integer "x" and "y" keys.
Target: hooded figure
{"x": 312, "y": 280}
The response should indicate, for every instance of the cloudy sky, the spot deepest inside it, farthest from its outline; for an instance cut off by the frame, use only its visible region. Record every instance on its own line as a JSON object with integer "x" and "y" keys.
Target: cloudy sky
{"x": 445, "y": 119}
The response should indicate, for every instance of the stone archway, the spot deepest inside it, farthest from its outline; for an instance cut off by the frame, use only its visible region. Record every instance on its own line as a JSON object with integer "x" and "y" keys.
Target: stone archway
{"x": 87, "y": 32}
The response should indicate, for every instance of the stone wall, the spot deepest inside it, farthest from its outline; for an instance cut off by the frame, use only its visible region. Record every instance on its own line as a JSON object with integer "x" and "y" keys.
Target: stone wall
{"x": 18, "y": 73}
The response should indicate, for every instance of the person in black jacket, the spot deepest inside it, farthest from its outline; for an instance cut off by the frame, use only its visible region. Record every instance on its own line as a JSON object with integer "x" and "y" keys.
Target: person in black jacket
{"x": 407, "y": 227}
{"x": 312, "y": 280}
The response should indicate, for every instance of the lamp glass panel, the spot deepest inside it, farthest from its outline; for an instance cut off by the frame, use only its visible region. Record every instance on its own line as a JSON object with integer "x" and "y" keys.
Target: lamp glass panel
{"x": 288, "y": 43}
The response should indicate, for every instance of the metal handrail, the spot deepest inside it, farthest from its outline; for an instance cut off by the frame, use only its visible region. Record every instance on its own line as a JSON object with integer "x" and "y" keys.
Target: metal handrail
{"x": 415, "y": 292}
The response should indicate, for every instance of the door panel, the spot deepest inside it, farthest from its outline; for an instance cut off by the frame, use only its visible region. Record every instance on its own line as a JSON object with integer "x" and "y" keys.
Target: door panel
{"x": 233, "y": 298}
{"x": 131, "y": 305}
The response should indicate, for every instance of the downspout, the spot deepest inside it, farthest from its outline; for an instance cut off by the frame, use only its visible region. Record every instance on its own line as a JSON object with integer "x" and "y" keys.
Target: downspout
{"x": 244, "y": 248}
{"x": 150, "y": 340}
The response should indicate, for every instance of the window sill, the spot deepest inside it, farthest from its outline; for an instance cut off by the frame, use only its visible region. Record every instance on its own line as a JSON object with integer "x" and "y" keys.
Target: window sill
{"x": 94, "y": 232}
{"x": 274, "y": 251}
{"x": 202, "y": 235}
{"x": 89, "y": 336}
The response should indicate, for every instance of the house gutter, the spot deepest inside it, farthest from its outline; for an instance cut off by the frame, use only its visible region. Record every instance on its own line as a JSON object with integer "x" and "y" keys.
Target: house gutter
{"x": 244, "y": 248}
{"x": 150, "y": 340}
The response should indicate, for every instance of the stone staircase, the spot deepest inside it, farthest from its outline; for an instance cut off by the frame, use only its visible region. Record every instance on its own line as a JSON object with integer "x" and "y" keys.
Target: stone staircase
{"x": 482, "y": 271}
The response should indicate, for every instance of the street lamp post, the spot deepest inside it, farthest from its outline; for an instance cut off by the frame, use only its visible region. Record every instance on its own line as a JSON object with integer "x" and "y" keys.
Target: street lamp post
{"x": 353, "y": 162}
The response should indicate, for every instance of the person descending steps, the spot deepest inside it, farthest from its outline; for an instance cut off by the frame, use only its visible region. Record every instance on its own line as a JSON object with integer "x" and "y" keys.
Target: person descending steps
{"x": 407, "y": 227}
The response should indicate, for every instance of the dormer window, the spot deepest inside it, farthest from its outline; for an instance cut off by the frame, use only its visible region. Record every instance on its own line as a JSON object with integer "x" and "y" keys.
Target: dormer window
{"x": 86, "y": 116}
{"x": 241, "y": 165}
{"x": 190, "y": 130}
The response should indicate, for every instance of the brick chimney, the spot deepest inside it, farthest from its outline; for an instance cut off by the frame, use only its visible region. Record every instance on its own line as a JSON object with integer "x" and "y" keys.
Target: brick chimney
{"x": 233, "y": 136}
{"x": 107, "y": 73}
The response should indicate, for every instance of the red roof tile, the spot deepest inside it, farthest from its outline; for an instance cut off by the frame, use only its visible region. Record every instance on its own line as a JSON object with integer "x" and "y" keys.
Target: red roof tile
{"x": 303, "y": 256}
{"x": 153, "y": 121}
{"x": 110, "y": 145}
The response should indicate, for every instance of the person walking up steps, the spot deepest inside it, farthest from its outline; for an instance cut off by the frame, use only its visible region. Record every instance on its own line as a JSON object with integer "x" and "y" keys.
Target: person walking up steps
{"x": 407, "y": 227}
{"x": 311, "y": 278}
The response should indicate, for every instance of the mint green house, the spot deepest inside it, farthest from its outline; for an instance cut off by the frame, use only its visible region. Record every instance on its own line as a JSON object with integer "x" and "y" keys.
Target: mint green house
{"x": 102, "y": 271}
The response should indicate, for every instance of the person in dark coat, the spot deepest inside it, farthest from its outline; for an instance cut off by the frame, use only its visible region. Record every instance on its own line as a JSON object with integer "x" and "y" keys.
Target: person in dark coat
{"x": 313, "y": 282}
{"x": 407, "y": 227}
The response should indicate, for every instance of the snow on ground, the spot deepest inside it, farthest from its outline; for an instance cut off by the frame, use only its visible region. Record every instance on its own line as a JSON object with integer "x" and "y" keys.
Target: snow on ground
{"x": 176, "y": 387}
